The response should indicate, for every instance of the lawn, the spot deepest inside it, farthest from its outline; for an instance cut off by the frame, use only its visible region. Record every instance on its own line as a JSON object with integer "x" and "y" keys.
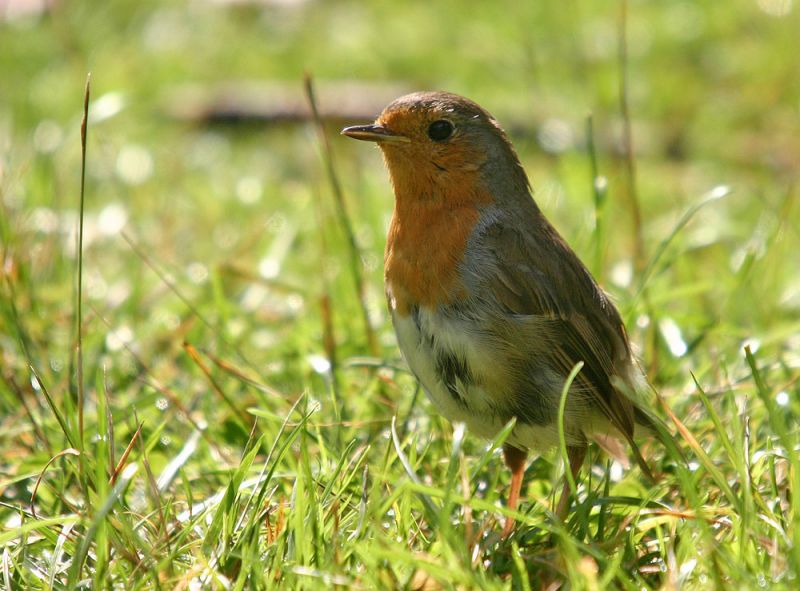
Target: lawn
{"x": 200, "y": 386}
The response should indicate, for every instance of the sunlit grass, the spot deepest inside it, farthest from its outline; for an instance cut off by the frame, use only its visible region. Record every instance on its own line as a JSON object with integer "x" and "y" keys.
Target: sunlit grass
{"x": 222, "y": 448}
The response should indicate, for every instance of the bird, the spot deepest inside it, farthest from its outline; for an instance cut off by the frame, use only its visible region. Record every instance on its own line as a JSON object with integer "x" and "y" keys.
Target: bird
{"x": 491, "y": 308}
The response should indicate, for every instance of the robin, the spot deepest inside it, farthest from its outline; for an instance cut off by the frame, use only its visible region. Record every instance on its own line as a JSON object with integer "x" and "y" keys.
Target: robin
{"x": 491, "y": 307}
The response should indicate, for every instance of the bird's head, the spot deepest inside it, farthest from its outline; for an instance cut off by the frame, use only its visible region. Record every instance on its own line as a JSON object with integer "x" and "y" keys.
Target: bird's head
{"x": 439, "y": 145}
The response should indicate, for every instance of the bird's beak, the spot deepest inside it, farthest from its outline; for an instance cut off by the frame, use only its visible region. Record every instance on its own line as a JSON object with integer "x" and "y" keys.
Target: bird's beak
{"x": 374, "y": 133}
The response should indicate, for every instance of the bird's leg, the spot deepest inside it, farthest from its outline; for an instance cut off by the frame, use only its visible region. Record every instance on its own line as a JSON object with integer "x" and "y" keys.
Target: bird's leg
{"x": 575, "y": 454}
{"x": 515, "y": 460}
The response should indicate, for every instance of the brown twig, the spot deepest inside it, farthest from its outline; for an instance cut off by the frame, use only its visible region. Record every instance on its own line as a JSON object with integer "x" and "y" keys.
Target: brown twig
{"x": 124, "y": 458}
{"x": 195, "y": 356}
{"x": 344, "y": 218}
{"x": 627, "y": 140}
{"x": 79, "y": 294}
{"x": 231, "y": 369}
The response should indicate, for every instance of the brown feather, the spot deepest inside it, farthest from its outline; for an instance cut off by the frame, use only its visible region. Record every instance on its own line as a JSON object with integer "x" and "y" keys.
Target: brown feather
{"x": 537, "y": 277}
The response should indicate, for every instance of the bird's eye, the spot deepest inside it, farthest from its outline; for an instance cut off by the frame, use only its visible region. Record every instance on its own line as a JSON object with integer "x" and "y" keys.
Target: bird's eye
{"x": 440, "y": 130}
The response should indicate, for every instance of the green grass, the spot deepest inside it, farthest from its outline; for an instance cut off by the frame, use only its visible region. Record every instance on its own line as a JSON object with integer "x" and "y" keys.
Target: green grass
{"x": 219, "y": 450}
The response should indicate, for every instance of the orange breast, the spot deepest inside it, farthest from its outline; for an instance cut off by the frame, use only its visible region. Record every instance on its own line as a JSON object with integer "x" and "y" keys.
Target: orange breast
{"x": 435, "y": 211}
{"x": 422, "y": 256}
{"x": 425, "y": 244}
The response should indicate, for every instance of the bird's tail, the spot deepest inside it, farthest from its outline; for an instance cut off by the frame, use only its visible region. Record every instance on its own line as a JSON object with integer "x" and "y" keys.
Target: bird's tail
{"x": 648, "y": 424}
{"x": 643, "y": 465}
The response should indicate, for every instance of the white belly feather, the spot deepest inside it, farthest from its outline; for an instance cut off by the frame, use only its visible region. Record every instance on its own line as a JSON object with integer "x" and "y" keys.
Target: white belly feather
{"x": 480, "y": 409}
{"x": 421, "y": 358}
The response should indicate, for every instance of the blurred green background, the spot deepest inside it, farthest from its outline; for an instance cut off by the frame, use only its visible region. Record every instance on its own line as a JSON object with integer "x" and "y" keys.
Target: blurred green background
{"x": 202, "y": 152}
{"x": 191, "y": 149}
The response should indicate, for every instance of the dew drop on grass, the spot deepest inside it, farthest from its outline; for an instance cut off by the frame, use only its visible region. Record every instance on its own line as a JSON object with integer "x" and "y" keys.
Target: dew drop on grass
{"x": 254, "y": 297}
{"x": 44, "y": 220}
{"x": 117, "y": 339}
{"x": 753, "y": 343}
{"x": 106, "y": 106}
{"x": 96, "y": 286}
{"x": 47, "y": 137}
{"x": 197, "y": 272}
{"x": 719, "y": 191}
{"x": 118, "y": 292}
{"x": 314, "y": 405}
{"x": 294, "y": 302}
{"x": 622, "y": 273}
{"x": 249, "y": 190}
{"x": 236, "y": 327}
{"x": 269, "y": 268}
{"x": 273, "y": 367}
{"x": 737, "y": 259}
{"x": 112, "y": 219}
{"x": 319, "y": 364}
{"x": 15, "y": 519}
{"x": 162, "y": 404}
{"x": 263, "y": 339}
{"x": 134, "y": 164}
{"x": 555, "y": 136}
{"x": 782, "y": 398}
{"x": 673, "y": 337}
{"x": 687, "y": 567}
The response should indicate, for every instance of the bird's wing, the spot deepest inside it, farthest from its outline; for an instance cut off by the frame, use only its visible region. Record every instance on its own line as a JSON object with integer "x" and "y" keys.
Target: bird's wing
{"x": 541, "y": 283}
